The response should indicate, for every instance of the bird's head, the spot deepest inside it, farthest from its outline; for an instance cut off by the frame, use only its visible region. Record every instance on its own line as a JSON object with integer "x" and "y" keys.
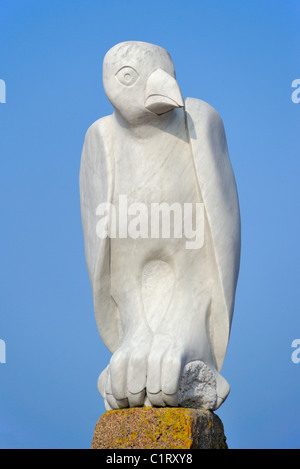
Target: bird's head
{"x": 139, "y": 81}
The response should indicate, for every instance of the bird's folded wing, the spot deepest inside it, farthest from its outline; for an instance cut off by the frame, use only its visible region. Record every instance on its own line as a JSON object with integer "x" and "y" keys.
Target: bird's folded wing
{"x": 219, "y": 193}
{"x": 96, "y": 187}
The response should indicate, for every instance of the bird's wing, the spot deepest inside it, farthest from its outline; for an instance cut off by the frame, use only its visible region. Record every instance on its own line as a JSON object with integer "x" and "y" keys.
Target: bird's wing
{"x": 96, "y": 186}
{"x": 218, "y": 188}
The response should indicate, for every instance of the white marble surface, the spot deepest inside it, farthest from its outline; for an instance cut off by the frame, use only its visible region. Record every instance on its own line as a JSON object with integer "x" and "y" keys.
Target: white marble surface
{"x": 162, "y": 309}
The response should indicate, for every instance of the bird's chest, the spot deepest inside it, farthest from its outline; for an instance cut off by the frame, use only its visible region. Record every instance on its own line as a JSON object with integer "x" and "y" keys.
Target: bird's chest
{"x": 155, "y": 170}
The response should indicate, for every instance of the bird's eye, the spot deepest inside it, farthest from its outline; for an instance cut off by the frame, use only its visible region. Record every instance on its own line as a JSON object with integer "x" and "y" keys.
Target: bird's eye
{"x": 127, "y": 76}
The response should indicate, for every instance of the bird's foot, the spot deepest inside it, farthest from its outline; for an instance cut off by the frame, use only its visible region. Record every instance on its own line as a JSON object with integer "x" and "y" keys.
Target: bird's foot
{"x": 175, "y": 379}
{"x": 123, "y": 383}
{"x": 164, "y": 368}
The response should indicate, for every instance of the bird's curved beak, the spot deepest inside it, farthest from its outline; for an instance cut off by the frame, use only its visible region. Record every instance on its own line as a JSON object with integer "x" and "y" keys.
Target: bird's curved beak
{"x": 162, "y": 93}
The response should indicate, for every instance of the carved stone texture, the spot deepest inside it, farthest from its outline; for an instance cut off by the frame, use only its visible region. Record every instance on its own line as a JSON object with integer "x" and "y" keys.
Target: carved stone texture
{"x": 157, "y": 428}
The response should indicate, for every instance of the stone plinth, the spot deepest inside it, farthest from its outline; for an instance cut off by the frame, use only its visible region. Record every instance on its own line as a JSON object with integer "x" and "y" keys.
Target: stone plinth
{"x": 159, "y": 428}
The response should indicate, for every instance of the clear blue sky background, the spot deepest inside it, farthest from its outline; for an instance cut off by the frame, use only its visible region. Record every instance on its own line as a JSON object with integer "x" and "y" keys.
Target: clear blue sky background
{"x": 241, "y": 57}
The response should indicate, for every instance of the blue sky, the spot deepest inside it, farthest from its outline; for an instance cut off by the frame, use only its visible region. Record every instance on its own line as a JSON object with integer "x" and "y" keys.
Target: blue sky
{"x": 241, "y": 57}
